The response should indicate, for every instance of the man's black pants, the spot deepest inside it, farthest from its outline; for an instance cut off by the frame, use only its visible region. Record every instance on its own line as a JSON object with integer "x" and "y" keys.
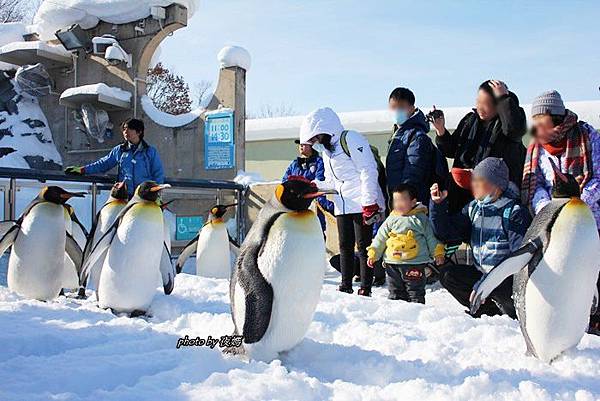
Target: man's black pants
{"x": 459, "y": 281}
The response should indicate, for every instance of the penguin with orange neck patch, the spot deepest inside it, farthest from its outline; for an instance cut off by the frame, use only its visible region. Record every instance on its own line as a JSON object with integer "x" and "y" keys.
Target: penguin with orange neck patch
{"x": 555, "y": 273}
{"x": 213, "y": 255}
{"x": 277, "y": 279}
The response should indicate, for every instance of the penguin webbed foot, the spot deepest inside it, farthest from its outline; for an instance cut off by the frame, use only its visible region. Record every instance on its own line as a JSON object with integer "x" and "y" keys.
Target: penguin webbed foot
{"x": 81, "y": 294}
{"x": 234, "y": 351}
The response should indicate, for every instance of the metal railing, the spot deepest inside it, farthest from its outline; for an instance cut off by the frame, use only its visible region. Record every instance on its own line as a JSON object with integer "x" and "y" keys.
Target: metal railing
{"x": 19, "y": 187}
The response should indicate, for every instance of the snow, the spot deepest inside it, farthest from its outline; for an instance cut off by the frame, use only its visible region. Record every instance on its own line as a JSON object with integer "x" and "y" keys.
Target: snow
{"x": 234, "y": 56}
{"x": 166, "y": 119}
{"x": 355, "y": 349}
{"x": 97, "y": 89}
{"x": 36, "y": 45}
{"x": 378, "y": 121}
{"x": 55, "y": 15}
{"x": 11, "y": 32}
{"x": 25, "y": 140}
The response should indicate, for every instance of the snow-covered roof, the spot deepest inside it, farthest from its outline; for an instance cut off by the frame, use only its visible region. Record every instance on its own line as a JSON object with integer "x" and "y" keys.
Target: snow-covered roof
{"x": 11, "y": 32}
{"x": 378, "y": 121}
{"x": 55, "y": 15}
{"x": 96, "y": 93}
{"x": 32, "y": 52}
{"x": 234, "y": 56}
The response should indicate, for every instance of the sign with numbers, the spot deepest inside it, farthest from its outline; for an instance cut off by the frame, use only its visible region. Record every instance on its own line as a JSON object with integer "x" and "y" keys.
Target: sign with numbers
{"x": 219, "y": 141}
{"x": 188, "y": 227}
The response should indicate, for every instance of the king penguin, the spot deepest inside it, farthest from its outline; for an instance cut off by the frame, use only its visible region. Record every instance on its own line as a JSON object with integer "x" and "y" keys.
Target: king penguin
{"x": 135, "y": 255}
{"x": 105, "y": 218}
{"x": 277, "y": 280}
{"x": 555, "y": 273}
{"x": 212, "y": 246}
{"x": 39, "y": 240}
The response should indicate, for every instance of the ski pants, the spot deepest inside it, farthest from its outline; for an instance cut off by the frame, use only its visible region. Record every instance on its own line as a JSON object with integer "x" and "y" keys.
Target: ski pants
{"x": 352, "y": 231}
{"x": 407, "y": 282}
{"x": 459, "y": 281}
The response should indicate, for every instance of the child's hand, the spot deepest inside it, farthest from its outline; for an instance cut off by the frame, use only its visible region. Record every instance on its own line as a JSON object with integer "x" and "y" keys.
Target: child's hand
{"x": 439, "y": 260}
{"x": 371, "y": 262}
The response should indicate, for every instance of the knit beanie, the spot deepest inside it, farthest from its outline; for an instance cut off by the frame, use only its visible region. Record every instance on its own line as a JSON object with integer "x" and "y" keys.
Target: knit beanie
{"x": 493, "y": 170}
{"x": 548, "y": 102}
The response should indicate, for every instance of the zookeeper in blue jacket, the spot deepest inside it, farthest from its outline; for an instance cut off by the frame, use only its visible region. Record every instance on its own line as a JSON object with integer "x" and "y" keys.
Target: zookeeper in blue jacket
{"x": 309, "y": 165}
{"x": 135, "y": 159}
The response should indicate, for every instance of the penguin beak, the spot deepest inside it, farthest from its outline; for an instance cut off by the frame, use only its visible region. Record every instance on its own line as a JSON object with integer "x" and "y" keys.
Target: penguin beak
{"x": 232, "y": 205}
{"x": 557, "y": 173}
{"x": 69, "y": 195}
{"x": 160, "y": 187}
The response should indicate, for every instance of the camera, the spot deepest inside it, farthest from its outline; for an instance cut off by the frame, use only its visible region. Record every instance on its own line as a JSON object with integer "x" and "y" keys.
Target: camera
{"x": 109, "y": 47}
{"x": 434, "y": 115}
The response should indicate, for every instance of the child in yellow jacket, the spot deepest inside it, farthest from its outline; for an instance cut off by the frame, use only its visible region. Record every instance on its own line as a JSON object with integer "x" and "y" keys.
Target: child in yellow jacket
{"x": 407, "y": 244}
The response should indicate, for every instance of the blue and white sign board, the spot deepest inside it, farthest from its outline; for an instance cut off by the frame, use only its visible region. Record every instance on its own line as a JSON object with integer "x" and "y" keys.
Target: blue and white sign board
{"x": 219, "y": 143}
{"x": 188, "y": 227}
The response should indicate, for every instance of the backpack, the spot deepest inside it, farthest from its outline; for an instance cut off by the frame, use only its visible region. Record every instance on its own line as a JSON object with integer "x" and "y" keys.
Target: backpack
{"x": 505, "y": 217}
{"x": 380, "y": 167}
{"x": 440, "y": 173}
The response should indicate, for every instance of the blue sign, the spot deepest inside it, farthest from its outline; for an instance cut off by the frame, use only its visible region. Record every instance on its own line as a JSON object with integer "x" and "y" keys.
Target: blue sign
{"x": 219, "y": 143}
{"x": 188, "y": 227}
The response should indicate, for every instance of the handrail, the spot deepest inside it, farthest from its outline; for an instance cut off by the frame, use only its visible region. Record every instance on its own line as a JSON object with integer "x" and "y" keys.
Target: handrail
{"x": 54, "y": 175}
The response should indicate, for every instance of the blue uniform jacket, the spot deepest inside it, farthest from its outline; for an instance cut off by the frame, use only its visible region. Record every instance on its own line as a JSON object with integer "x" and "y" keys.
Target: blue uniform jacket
{"x": 136, "y": 164}
{"x": 311, "y": 168}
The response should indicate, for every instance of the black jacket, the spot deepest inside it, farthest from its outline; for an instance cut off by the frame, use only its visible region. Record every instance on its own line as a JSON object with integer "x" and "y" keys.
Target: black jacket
{"x": 471, "y": 142}
{"x": 410, "y": 156}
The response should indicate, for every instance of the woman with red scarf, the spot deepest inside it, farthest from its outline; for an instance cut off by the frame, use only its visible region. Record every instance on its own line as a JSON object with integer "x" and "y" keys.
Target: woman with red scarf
{"x": 573, "y": 145}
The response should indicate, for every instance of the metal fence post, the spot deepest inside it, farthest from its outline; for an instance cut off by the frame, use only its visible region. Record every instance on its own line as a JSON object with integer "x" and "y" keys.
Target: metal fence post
{"x": 94, "y": 202}
{"x": 12, "y": 198}
{"x": 241, "y": 215}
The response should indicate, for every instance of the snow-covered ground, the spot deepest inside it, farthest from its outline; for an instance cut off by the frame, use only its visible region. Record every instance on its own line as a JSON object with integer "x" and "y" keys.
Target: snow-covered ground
{"x": 356, "y": 349}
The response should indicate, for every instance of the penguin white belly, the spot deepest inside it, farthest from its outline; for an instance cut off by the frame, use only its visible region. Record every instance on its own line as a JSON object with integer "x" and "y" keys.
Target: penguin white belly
{"x": 36, "y": 263}
{"x": 130, "y": 272}
{"x": 293, "y": 262}
{"x": 107, "y": 217}
{"x": 70, "y": 277}
{"x": 213, "y": 258}
{"x": 559, "y": 293}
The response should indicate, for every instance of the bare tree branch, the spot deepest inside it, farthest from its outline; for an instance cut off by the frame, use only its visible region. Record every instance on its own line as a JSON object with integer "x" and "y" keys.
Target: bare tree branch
{"x": 202, "y": 90}
{"x": 269, "y": 111}
{"x": 169, "y": 92}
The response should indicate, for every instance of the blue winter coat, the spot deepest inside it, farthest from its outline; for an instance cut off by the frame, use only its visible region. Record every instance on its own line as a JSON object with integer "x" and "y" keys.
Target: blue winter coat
{"x": 135, "y": 164}
{"x": 311, "y": 169}
{"x": 410, "y": 156}
{"x": 494, "y": 230}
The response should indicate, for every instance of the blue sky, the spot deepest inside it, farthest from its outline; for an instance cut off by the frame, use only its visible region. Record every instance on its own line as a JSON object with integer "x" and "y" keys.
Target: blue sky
{"x": 350, "y": 54}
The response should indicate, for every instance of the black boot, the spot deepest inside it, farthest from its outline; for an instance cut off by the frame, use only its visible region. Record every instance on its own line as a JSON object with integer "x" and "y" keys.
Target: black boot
{"x": 365, "y": 292}
{"x": 379, "y": 282}
{"x": 343, "y": 288}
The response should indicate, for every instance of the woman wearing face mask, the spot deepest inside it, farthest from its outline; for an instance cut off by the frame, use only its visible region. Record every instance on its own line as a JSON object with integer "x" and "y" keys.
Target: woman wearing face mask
{"x": 494, "y": 128}
{"x": 359, "y": 203}
{"x": 410, "y": 153}
{"x": 493, "y": 224}
{"x": 573, "y": 146}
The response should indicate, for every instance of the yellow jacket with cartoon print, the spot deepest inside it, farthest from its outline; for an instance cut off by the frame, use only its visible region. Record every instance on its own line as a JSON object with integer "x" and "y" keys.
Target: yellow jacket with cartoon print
{"x": 406, "y": 239}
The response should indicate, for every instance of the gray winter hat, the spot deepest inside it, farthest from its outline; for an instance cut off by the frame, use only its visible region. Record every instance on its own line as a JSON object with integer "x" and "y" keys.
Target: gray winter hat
{"x": 548, "y": 102}
{"x": 494, "y": 170}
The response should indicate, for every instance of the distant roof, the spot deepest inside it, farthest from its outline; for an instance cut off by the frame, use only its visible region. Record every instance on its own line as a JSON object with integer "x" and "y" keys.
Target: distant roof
{"x": 378, "y": 121}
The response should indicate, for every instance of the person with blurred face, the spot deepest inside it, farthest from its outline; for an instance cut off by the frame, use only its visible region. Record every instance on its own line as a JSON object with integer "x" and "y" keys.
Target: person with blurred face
{"x": 493, "y": 223}
{"x": 574, "y": 147}
{"x": 309, "y": 165}
{"x": 494, "y": 128}
{"x": 410, "y": 153}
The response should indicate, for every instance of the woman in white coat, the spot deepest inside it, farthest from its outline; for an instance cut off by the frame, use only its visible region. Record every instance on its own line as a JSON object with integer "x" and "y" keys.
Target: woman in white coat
{"x": 351, "y": 170}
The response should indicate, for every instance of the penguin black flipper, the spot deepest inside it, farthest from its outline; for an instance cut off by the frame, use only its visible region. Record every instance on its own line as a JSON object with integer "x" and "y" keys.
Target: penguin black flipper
{"x": 8, "y": 230}
{"x": 189, "y": 249}
{"x": 167, "y": 270}
{"x": 76, "y": 220}
{"x": 511, "y": 265}
{"x": 74, "y": 252}
{"x": 258, "y": 293}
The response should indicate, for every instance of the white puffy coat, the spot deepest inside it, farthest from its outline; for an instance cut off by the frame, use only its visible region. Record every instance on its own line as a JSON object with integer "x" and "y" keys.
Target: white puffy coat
{"x": 354, "y": 177}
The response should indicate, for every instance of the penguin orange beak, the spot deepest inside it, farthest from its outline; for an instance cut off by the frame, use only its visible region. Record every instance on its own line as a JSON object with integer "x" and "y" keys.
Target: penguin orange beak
{"x": 232, "y": 205}
{"x": 160, "y": 187}
{"x": 69, "y": 195}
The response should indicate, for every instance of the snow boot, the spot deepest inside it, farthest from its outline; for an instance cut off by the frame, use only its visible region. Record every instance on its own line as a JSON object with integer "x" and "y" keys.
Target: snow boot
{"x": 365, "y": 292}
{"x": 345, "y": 289}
